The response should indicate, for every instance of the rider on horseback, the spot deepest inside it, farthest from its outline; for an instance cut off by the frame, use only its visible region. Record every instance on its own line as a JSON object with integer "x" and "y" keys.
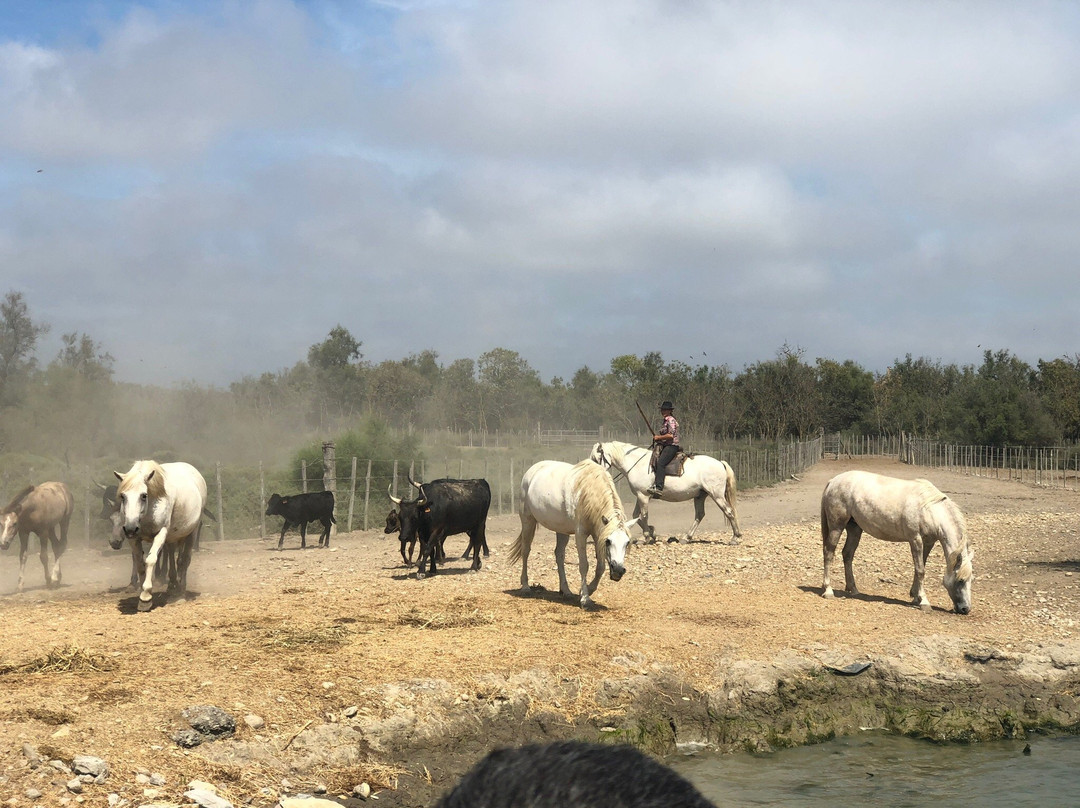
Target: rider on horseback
{"x": 667, "y": 437}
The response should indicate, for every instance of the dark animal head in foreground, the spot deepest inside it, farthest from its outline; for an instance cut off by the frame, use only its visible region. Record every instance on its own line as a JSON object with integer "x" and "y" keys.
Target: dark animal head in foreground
{"x": 571, "y": 773}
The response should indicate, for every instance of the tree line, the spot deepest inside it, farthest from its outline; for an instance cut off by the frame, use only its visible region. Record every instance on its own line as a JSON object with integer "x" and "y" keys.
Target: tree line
{"x": 71, "y": 405}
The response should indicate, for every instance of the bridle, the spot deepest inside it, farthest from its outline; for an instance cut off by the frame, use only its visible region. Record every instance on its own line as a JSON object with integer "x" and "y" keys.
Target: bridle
{"x": 605, "y": 461}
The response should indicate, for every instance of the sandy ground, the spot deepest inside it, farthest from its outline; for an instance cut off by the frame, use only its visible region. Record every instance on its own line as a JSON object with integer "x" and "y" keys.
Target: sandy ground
{"x": 294, "y": 635}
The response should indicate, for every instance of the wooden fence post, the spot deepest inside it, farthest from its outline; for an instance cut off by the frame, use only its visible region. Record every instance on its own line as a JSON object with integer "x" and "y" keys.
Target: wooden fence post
{"x": 367, "y": 493}
{"x": 352, "y": 492}
{"x": 262, "y": 501}
{"x": 329, "y": 474}
{"x": 303, "y": 475}
{"x": 220, "y": 510}
{"x": 87, "y": 519}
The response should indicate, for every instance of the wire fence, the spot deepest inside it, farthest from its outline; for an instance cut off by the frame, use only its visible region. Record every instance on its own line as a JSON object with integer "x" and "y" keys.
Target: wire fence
{"x": 1052, "y": 467}
{"x": 238, "y": 494}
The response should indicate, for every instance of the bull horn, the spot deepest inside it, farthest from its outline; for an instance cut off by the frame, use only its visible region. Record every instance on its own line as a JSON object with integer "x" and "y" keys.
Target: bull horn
{"x": 393, "y": 499}
{"x": 418, "y": 486}
{"x": 99, "y": 485}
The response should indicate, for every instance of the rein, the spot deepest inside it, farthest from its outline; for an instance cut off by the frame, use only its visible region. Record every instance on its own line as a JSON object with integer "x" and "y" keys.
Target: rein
{"x": 622, "y": 472}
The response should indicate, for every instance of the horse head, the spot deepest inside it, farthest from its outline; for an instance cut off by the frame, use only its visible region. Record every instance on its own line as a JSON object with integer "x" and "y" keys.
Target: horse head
{"x": 9, "y": 521}
{"x": 597, "y": 455}
{"x": 614, "y": 545}
{"x": 957, "y": 581}
{"x": 9, "y": 517}
{"x": 133, "y": 495}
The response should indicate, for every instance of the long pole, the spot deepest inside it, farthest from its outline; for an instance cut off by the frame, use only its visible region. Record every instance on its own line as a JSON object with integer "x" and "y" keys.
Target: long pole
{"x": 648, "y": 426}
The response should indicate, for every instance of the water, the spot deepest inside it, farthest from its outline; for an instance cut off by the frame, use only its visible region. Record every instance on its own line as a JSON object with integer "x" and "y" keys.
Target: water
{"x": 887, "y": 771}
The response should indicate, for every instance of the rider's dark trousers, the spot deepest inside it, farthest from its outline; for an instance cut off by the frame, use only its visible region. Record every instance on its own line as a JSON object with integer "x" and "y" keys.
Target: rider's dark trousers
{"x": 667, "y": 454}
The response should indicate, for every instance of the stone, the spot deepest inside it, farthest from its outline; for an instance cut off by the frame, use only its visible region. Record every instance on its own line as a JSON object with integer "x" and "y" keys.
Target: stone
{"x": 188, "y": 738}
{"x": 363, "y": 791}
{"x": 95, "y": 767}
{"x": 33, "y": 794}
{"x": 254, "y": 721}
{"x": 157, "y": 780}
{"x": 209, "y": 720}
{"x": 75, "y": 786}
{"x": 32, "y": 756}
{"x": 207, "y": 799}
{"x": 349, "y": 712}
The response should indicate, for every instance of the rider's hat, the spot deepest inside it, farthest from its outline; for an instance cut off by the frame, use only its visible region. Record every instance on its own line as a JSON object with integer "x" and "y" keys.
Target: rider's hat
{"x": 667, "y": 405}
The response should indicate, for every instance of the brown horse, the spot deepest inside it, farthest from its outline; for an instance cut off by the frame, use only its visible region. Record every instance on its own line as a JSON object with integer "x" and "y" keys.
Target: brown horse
{"x": 39, "y": 509}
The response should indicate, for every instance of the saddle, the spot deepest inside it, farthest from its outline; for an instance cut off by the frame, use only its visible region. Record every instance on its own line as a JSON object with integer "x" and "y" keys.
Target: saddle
{"x": 675, "y": 467}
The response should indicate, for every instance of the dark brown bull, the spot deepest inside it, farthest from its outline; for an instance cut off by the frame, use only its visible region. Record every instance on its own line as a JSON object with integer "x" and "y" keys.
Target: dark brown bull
{"x": 39, "y": 509}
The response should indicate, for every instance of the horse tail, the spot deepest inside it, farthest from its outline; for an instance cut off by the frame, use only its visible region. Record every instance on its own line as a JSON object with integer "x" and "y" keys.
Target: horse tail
{"x": 731, "y": 487}
{"x": 516, "y": 549}
{"x": 824, "y": 521}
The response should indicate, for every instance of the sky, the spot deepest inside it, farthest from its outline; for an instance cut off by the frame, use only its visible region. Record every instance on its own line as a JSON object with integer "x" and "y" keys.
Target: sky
{"x": 207, "y": 188}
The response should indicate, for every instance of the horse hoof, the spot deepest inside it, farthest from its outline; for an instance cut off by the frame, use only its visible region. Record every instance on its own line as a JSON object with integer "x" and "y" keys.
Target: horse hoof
{"x": 925, "y": 607}
{"x": 828, "y": 593}
{"x": 146, "y": 605}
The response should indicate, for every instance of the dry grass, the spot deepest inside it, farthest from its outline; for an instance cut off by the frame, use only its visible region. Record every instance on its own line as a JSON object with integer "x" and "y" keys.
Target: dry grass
{"x": 445, "y": 618}
{"x": 64, "y": 659}
{"x": 310, "y": 639}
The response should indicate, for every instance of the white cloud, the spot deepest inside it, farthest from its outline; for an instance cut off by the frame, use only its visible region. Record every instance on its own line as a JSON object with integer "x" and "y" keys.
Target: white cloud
{"x": 862, "y": 179}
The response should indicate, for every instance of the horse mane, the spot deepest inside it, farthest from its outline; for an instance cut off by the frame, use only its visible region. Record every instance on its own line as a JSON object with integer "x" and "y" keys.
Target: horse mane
{"x": 18, "y": 498}
{"x": 155, "y": 486}
{"x": 618, "y": 454}
{"x": 945, "y": 520}
{"x": 596, "y": 499}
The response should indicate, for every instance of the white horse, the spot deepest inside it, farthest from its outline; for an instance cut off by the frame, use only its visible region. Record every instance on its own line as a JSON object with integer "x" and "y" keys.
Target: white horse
{"x": 897, "y": 510}
{"x": 579, "y": 499}
{"x": 162, "y": 504}
{"x": 702, "y": 477}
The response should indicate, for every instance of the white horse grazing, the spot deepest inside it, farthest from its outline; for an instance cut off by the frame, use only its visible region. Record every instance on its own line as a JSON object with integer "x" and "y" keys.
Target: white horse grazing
{"x": 162, "y": 504}
{"x": 897, "y": 510}
{"x": 702, "y": 477}
{"x": 579, "y": 499}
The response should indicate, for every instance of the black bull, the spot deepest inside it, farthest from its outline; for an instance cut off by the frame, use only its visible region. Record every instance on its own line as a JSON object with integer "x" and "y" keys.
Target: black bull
{"x": 444, "y": 508}
{"x": 299, "y": 509}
